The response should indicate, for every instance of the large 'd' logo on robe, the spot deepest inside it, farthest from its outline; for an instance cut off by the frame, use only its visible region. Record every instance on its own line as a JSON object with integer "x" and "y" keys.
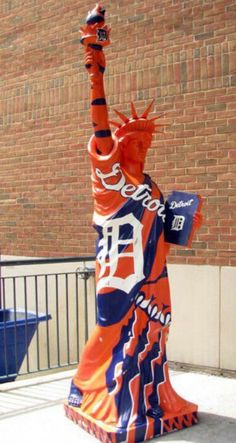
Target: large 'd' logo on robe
{"x": 115, "y": 248}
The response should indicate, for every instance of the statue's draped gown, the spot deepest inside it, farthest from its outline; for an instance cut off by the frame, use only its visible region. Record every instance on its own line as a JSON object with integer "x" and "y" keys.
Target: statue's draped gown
{"x": 123, "y": 363}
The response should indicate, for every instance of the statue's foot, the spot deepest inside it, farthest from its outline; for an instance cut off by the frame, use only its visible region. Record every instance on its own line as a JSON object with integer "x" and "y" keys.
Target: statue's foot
{"x": 170, "y": 401}
{"x": 75, "y": 396}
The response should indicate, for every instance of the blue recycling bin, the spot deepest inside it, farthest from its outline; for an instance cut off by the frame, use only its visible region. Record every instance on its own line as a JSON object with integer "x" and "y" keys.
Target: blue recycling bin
{"x": 17, "y": 328}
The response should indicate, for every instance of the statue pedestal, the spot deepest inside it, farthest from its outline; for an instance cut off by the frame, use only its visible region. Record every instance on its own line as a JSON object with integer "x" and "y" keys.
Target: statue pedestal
{"x": 151, "y": 428}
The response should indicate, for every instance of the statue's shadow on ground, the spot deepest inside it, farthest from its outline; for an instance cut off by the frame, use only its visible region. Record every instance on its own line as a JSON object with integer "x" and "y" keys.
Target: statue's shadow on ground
{"x": 210, "y": 429}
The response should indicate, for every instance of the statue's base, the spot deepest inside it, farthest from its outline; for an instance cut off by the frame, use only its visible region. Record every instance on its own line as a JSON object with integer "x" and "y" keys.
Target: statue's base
{"x": 110, "y": 434}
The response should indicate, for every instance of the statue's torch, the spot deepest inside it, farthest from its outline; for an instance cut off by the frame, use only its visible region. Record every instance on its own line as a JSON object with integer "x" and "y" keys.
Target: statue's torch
{"x": 95, "y": 34}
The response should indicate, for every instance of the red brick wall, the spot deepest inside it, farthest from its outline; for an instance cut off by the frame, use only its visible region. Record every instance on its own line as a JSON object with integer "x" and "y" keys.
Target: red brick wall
{"x": 182, "y": 53}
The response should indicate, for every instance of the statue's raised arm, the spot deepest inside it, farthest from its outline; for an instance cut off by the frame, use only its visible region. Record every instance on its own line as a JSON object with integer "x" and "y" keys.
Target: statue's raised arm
{"x": 95, "y": 35}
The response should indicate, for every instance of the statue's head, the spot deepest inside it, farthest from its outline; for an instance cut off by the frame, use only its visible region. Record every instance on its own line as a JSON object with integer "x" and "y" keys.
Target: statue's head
{"x": 135, "y": 137}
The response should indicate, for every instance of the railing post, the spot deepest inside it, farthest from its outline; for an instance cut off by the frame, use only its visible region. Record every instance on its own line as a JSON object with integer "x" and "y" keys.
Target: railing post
{"x": 85, "y": 273}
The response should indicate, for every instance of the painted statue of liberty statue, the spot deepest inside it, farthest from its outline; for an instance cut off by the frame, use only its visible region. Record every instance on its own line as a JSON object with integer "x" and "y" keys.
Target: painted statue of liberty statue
{"x": 122, "y": 390}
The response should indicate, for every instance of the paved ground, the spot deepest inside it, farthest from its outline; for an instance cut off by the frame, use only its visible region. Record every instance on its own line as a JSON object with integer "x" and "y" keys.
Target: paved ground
{"x": 31, "y": 411}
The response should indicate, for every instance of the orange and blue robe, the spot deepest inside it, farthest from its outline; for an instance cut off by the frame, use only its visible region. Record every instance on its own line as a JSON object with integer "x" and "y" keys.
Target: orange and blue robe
{"x": 122, "y": 366}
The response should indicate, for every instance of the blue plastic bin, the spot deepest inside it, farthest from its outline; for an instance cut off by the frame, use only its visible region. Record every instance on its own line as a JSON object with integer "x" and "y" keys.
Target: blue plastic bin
{"x": 16, "y": 332}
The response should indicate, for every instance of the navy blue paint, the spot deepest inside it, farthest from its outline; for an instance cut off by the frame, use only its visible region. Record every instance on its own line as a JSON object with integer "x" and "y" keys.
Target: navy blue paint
{"x": 99, "y": 101}
{"x": 101, "y": 69}
{"x": 103, "y": 133}
{"x": 94, "y": 46}
{"x": 94, "y": 18}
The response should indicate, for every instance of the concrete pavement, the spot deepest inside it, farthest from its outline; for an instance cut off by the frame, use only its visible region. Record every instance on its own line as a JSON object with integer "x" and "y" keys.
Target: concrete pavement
{"x": 32, "y": 410}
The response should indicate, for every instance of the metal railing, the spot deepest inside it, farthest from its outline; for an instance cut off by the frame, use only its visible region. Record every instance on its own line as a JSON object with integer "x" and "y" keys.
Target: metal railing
{"x": 60, "y": 294}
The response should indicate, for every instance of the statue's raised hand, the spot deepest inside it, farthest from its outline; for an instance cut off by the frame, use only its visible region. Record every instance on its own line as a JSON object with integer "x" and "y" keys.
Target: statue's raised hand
{"x": 95, "y": 62}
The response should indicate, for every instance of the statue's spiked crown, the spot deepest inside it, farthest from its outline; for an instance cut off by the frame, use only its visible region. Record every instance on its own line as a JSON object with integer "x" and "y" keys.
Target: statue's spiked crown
{"x": 135, "y": 123}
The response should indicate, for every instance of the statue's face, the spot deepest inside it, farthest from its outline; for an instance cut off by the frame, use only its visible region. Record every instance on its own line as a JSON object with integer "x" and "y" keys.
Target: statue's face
{"x": 135, "y": 146}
